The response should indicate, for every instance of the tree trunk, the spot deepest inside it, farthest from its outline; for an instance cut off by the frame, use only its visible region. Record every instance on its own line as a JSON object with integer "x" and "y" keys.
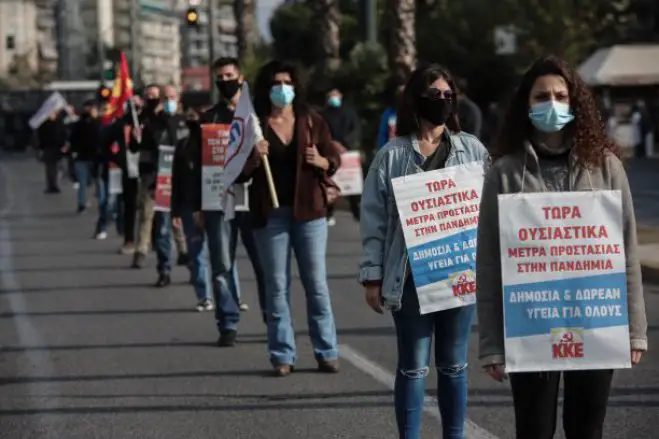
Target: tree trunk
{"x": 245, "y": 26}
{"x": 328, "y": 18}
{"x": 402, "y": 37}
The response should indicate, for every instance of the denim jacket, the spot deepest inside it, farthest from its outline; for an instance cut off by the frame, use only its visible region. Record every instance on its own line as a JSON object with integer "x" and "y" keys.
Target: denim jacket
{"x": 384, "y": 251}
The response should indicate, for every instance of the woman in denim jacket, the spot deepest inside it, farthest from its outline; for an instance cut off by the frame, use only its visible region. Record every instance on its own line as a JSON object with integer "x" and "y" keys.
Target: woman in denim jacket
{"x": 429, "y": 138}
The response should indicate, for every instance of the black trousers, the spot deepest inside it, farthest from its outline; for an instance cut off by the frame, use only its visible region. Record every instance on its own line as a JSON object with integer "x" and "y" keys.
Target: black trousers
{"x": 535, "y": 395}
{"x": 129, "y": 197}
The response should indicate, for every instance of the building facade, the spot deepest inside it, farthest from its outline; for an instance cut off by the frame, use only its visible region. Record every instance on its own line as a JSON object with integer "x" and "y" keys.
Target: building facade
{"x": 19, "y": 35}
{"x": 195, "y": 47}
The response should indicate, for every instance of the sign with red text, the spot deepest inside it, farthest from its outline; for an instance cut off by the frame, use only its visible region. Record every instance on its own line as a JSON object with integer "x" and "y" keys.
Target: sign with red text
{"x": 438, "y": 212}
{"x": 163, "y": 194}
{"x": 564, "y": 281}
{"x": 349, "y": 177}
{"x": 214, "y": 144}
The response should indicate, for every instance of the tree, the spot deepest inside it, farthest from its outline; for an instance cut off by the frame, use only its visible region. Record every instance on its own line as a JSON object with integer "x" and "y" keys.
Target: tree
{"x": 293, "y": 36}
{"x": 244, "y": 11}
{"x": 400, "y": 23}
{"x": 328, "y": 20}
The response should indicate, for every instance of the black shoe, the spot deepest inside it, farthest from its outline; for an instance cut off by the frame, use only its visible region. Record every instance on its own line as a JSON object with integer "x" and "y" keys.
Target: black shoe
{"x": 164, "y": 280}
{"x": 183, "y": 260}
{"x": 227, "y": 339}
{"x": 138, "y": 260}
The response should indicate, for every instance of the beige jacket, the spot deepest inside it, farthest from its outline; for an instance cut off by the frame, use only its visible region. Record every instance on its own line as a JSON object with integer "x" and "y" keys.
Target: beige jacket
{"x": 505, "y": 176}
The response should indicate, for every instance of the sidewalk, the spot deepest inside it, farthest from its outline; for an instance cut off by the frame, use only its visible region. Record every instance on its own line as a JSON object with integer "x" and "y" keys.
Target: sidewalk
{"x": 648, "y": 239}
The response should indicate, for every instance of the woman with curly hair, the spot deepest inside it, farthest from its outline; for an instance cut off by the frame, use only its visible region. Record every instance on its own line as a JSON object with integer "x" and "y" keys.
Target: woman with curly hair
{"x": 552, "y": 139}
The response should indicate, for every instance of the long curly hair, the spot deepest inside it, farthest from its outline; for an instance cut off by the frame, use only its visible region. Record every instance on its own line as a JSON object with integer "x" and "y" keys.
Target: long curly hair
{"x": 589, "y": 137}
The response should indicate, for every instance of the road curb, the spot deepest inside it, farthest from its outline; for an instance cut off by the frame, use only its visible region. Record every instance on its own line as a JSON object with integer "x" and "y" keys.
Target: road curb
{"x": 650, "y": 273}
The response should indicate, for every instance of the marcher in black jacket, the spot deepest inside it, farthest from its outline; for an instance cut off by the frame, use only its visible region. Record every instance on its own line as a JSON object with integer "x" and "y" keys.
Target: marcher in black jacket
{"x": 85, "y": 142}
{"x": 52, "y": 143}
{"x": 162, "y": 124}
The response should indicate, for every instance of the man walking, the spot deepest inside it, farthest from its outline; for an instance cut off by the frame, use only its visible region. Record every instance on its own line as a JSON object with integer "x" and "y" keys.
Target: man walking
{"x": 222, "y": 235}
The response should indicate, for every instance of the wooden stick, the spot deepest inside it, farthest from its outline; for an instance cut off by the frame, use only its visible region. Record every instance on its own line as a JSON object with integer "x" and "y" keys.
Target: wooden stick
{"x": 271, "y": 181}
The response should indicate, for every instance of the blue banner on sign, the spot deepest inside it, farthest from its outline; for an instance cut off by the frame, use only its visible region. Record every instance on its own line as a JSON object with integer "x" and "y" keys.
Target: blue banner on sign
{"x": 438, "y": 260}
{"x": 586, "y": 302}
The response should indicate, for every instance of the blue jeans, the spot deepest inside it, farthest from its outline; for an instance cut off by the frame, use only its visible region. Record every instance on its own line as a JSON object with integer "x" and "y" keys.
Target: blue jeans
{"x": 414, "y": 332}
{"x": 196, "y": 240}
{"x": 83, "y": 173}
{"x": 243, "y": 224}
{"x": 308, "y": 239}
{"x": 162, "y": 222}
{"x": 222, "y": 236}
{"x": 109, "y": 206}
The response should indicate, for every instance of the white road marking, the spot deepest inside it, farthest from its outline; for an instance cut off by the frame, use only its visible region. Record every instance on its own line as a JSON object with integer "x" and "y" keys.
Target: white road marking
{"x": 383, "y": 376}
{"x": 28, "y": 335}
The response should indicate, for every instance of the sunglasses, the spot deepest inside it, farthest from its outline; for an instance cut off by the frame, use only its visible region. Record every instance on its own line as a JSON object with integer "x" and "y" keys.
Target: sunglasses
{"x": 435, "y": 93}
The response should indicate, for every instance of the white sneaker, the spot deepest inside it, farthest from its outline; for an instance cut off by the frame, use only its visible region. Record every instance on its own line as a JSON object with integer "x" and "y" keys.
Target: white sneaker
{"x": 244, "y": 307}
{"x": 331, "y": 221}
{"x": 205, "y": 305}
{"x": 101, "y": 236}
{"x": 76, "y": 186}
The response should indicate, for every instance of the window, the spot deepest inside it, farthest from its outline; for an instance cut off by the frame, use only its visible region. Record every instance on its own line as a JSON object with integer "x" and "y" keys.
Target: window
{"x": 10, "y": 42}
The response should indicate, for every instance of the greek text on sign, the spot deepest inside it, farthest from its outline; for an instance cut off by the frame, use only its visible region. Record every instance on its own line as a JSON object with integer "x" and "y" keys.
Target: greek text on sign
{"x": 214, "y": 150}
{"x": 564, "y": 281}
{"x": 438, "y": 212}
{"x": 349, "y": 177}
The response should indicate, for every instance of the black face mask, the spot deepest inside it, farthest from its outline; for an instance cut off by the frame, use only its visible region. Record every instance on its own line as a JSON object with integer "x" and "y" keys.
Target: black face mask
{"x": 152, "y": 104}
{"x": 436, "y": 111}
{"x": 228, "y": 89}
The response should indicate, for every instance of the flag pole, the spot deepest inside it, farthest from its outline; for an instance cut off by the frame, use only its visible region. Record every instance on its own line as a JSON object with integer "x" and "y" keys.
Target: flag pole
{"x": 271, "y": 181}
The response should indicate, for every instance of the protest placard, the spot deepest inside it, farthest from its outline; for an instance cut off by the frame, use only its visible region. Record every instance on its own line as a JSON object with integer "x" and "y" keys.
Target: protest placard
{"x": 163, "y": 195}
{"x": 349, "y": 177}
{"x": 438, "y": 212}
{"x": 115, "y": 180}
{"x": 564, "y": 281}
{"x": 214, "y": 144}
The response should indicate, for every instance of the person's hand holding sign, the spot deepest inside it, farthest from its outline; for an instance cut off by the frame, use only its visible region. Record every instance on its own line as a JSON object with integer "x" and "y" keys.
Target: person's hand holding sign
{"x": 314, "y": 158}
{"x": 636, "y": 356}
{"x": 497, "y": 372}
{"x": 263, "y": 147}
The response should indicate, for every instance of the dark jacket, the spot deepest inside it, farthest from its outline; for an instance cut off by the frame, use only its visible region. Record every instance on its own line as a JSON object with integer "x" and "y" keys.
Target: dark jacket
{"x": 85, "y": 139}
{"x": 52, "y": 138}
{"x": 344, "y": 125}
{"x": 186, "y": 179}
{"x": 157, "y": 129}
{"x": 309, "y": 200}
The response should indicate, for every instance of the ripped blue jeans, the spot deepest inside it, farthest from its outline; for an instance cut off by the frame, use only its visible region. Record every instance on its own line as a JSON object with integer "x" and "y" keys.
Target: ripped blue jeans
{"x": 414, "y": 333}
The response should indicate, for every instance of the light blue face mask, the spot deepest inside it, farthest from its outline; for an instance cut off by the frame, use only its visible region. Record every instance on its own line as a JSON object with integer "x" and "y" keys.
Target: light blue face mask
{"x": 170, "y": 106}
{"x": 282, "y": 95}
{"x": 334, "y": 101}
{"x": 550, "y": 116}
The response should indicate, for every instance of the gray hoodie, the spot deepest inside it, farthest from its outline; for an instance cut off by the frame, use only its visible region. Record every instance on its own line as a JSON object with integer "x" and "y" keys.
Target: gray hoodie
{"x": 505, "y": 177}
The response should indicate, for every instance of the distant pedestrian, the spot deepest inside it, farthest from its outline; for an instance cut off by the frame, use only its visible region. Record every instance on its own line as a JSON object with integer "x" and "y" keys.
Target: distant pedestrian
{"x": 52, "y": 145}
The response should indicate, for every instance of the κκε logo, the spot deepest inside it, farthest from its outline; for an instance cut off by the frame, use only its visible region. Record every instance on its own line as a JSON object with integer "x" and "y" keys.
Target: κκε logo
{"x": 567, "y": 343}
{"x": 463, "y": 283}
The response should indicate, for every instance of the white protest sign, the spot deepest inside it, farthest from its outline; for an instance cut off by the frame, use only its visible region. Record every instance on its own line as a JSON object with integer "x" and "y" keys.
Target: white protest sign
{"x": 438, "y": 212}
{"x": 564, "y": 281}
{"x": 54, "y": 102}
{"x": 214, "y": 148}
{"x": 115, "y": 181}
{"x": 349, "y": 177}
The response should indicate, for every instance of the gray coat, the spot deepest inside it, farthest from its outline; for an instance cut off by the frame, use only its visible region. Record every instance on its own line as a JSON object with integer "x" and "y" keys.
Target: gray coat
{"x": 504, "y": 177}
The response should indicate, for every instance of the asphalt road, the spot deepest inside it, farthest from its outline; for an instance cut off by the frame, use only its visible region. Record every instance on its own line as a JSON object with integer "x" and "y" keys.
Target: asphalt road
{"x": 89, "y": 350}
{"x": 644, "y": 181}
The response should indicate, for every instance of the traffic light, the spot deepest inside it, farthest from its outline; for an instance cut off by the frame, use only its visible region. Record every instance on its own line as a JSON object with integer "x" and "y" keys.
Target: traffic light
{"x": 104, "y": 93}
{"x": 192, "y": 17}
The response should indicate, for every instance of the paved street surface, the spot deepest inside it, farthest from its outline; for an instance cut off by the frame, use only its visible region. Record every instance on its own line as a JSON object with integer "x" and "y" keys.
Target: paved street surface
{"x": 89, "y": 350}
{"x": 644, "y": 181}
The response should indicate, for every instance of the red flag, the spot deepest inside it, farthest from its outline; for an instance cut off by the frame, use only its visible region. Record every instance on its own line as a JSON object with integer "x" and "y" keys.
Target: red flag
{"x": 122, "y": 91}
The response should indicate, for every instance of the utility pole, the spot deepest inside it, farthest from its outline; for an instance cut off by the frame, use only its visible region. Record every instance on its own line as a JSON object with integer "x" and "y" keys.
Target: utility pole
{"x": 134, "y": 44}
{"x": 371, "y": 20}
{"x": 212, "y": 29}
{"x": 100, "y": 45}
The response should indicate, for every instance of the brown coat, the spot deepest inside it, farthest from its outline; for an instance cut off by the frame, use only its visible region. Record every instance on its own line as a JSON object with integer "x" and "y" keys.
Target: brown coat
{"x": 309, "y": 200}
